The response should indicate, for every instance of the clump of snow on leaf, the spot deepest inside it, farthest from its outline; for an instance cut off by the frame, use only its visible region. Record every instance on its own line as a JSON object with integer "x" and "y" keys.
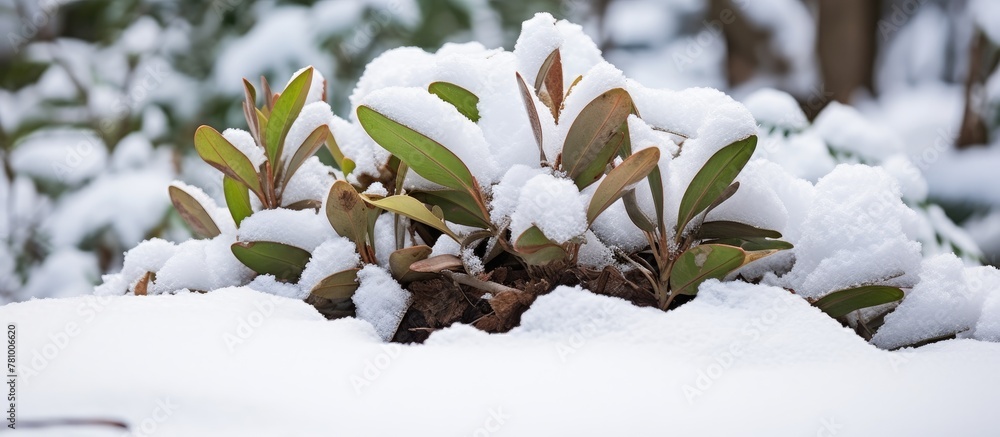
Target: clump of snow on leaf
{"x": 244, "y": 142}
{"x": 710, "y": 121}
{"x": 317, "y": 88}
{"x": 312, "y": 116}
{"x": 333, "y": 256}
{"x": 201, "y": 265}
{"x": 304, "y": 229}
{"x": 541, "y": 35}
{"x": 507, "y": 193}
{"x": 312, "y": 181}
{"x": 554, "y": 205}
{"x": 432, "y": 117}
{"x": 270, "y": 285}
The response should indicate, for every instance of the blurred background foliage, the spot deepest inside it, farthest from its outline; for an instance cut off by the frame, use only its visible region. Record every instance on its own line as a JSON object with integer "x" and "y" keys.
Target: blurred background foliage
{"x": 99, "y": 99}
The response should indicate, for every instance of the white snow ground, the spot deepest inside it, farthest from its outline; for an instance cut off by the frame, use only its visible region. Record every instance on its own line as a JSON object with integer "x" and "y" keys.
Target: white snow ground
{"x": 739, "y": 360}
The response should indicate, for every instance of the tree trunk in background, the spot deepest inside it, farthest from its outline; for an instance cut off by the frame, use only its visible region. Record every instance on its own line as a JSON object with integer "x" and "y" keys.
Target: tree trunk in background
{"x": 846, "y": 45}
{"x": 983, "y": 57}
{"x": 746, "y": 46}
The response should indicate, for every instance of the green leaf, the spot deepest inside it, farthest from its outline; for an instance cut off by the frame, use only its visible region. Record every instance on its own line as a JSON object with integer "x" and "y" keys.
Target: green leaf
{"x": 654, "y": 180}
{"x": 536, "y": 249}
{"x": 635, "y": 212}
{"x": 221, "y": 154}
{"x": 307, "y": 149}
{"x": 348, "y": 213}
{"x": 595, "y": 137}
{"x": 412, "y": 208}
{"x": 461, "y": 98}
{"x": 729, "y": 192}
{"x": 713, "y": 179}
{"x": 752, "y": 244}
{"x": 345, "y": 165}
{"x": 529, "y": 106}
{"x": 423, "y": 155}
{"x": 630, "y": 172}
{"x": 401, "y": 260}
{"x": 237, "y": 199}
{"x": 286, "y": 109}
{"x": 728, "y": 229}
{"x": 340, "y": 285}
{"x": 457, "y": 206}
{"x": 193, "y": 213}
{"x": 701, "y": 263}
{"x": 843, "y": 302}
{"x": 282, "y": 261}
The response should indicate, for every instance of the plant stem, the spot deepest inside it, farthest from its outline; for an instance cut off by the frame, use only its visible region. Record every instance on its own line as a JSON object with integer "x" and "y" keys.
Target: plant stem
{"x": 474, "y": 282}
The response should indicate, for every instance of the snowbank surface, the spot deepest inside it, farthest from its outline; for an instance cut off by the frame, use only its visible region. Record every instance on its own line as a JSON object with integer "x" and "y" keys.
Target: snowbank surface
{"x": 738, "y": 360}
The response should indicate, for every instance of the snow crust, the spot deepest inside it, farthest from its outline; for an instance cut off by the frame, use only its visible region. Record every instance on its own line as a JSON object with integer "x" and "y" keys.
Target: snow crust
{"x": 754, "y": 346}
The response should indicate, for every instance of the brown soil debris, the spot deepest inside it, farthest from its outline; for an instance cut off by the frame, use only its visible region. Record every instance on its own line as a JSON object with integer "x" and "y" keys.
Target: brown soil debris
{"x": 440, "y": 302}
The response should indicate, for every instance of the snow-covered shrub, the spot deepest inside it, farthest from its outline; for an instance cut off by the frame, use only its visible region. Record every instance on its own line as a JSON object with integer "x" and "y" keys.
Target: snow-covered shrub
{"x": 138, "y": 75}
{"x": 841, "y": 134}
{"x": 469, "y": 181}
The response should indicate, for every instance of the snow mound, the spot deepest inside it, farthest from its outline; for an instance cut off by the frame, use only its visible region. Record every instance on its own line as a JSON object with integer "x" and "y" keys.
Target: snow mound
{"x": 380, "y": 301}
{"x": 854, "y": 234}
{"x": 948, "y": 300}
{"x": 724, "y": 349}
